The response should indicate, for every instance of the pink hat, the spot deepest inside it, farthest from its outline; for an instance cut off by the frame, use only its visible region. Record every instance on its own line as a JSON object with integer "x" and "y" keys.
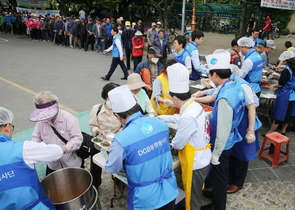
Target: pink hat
{"x": 44, "y": 111}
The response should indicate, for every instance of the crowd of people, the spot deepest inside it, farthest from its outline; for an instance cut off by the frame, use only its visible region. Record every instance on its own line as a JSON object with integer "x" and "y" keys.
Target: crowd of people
{"x": 218, "y": 154}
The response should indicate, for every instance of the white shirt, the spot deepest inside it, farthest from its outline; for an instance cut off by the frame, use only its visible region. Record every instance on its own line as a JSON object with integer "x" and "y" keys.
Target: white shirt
{"x": 82, "y": 13}
{"x": 34, "y": 152}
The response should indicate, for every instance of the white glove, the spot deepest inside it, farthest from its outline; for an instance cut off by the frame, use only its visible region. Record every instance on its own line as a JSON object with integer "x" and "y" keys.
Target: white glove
{"x": 215, "y": 160}
{"x": 250, "y": 137}
{"x": 204, "y": 81}
{"x": 168, "y": 102}
{"x": 198, "y": 94}
{"x": 161, "y": 117}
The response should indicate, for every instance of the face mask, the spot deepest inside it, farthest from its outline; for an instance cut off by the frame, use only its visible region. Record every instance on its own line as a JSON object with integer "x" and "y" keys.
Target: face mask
{"x": 109, "y": 104}
{"x": 127, "y": 27}
{"x": 155, "y": 60}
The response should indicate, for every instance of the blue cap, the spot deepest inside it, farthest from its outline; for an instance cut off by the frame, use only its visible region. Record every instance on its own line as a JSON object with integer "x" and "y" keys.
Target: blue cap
{"x": 82, "y": 18}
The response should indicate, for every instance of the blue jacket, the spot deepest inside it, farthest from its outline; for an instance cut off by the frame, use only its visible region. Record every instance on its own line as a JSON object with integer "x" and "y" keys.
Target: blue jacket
{"x": 237, "y": 102}
{"x": 19, "y": 184}
{"x": 127, "y": 41}
{"x": 58, "y": 25}
{"x": 109, "y": 29}
{"x": 147, "y": 163}
{"x": 255, "y": 74}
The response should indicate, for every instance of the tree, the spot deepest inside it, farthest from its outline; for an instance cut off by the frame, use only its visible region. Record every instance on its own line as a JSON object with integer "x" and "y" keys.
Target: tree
{"x": 164, "y": 8}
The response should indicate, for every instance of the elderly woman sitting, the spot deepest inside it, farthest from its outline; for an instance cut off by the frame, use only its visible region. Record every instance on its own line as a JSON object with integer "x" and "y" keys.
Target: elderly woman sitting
{"x": 135, "y": 84}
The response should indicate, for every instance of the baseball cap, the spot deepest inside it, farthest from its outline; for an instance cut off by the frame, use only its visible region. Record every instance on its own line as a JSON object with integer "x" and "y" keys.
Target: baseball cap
{"x": 127, "y": 23}
{"x": 155, "y": 50}
{"x": 270, "y": 44}
{"x": 154, "y": 24}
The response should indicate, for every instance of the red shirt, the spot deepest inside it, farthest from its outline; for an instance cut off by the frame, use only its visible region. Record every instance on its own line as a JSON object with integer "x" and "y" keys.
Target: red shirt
{"x": 268, "y": 22}
{"x": 137, "y": 41}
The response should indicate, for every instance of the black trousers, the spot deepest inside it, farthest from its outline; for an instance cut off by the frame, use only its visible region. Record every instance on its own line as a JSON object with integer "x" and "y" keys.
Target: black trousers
{"x": 219, "y": 178}
{"x": 237, "y": 171}
{"x": 128, "y": 56}
{"x": 115, "y": 63}
{"x": 82, "y": 40}
{"x": 95, "y": 171}
{"x": 169, "y": 206}
{"x": 136, "y": 61}
{"x": 90, "y": 40}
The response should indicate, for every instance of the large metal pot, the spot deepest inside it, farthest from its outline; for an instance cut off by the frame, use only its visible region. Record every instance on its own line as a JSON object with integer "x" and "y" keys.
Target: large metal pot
{"x": 70, "y": 189}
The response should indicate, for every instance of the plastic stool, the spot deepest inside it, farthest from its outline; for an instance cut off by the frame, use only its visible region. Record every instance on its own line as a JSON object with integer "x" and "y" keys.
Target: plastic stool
{"x": 277, "y": 140}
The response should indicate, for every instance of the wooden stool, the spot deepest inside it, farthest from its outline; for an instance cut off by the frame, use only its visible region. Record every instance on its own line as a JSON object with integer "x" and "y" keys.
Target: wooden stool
{"x": 277, "y": 140}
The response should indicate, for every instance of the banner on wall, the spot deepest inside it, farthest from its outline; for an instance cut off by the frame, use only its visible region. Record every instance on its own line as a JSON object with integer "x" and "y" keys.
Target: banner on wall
{"x": 279, "y": 4}
{"x": 33, "y": 3}
{"x": 38, "y": 12}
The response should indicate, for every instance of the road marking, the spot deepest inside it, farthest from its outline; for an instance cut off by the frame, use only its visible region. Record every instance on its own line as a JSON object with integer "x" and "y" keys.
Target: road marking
{"x": 3, "y": 40}
{"x": 34, "y": 93}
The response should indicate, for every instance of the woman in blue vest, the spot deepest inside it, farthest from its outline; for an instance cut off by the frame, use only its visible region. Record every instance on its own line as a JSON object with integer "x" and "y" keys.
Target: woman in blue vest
{"x": 284, "y": 107}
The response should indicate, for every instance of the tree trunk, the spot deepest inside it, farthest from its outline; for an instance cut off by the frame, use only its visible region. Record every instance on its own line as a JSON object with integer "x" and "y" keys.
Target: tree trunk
{"x": 13, "y": 4}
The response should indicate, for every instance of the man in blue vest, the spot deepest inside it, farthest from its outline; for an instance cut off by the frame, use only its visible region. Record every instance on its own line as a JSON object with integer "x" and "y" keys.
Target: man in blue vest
{"x": 226, "y": 116}
{"x": 117, "y": 52}
{"x": 181, "y": 56}
{"x": 252, "y": 66}
{"x": 193, "y": 51}
{"x": 19, "y": 184}
{"x": 142, "y": 149}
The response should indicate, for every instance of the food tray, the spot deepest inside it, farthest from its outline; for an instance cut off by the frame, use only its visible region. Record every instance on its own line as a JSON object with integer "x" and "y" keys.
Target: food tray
{"x": 206, "y": 108}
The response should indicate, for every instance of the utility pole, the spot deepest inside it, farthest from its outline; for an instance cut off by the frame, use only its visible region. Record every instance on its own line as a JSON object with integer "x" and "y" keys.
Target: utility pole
{"x": 193, "y": 23}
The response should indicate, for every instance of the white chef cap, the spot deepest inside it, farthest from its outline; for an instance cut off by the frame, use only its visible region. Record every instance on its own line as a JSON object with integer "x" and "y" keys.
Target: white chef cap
{"x": 122, "y": 99}
{"x": 6, "y": 116}
{"x": 178, "y": 77}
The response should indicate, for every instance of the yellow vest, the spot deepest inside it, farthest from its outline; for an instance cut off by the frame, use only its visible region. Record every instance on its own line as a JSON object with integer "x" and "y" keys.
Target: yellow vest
{"x": 160, "y": 108}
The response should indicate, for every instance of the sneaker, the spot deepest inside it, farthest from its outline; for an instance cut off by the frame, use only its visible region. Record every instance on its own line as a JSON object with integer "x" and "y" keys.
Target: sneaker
{"x": 72, "y": 47}
{"x": 44, "y": 40}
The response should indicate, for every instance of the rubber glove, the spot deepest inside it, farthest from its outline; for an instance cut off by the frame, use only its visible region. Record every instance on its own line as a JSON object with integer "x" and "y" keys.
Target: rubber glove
{"x": 198, "y": 94}
{"x": 215, "y": 160}
{"x": 168, "y": 102}
{"x": 272, "y": 88}
{"x": 161, "y": 117}
{"x": 250, "y": 137}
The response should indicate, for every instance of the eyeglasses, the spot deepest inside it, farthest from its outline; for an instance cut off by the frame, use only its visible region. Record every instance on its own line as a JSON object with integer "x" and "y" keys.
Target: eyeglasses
{"x": 12, "y": 126}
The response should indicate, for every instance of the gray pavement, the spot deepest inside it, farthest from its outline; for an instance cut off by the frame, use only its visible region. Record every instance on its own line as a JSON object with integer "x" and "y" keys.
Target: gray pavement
{"x": 74, "y": 76}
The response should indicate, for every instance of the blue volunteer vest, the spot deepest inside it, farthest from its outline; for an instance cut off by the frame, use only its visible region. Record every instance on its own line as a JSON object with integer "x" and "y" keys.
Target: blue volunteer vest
{"x": 180, "y": 58}
{"x": 255, "y": 74}
{"x": 115, "y": 50}
{"x": 19, "y": 184}
{"x": 237, "y": 102}
{"x": 242, "y": 150}
{"x": 146, "y": 145}
{"x": 190, "y": 47}
{"x": 285, "y": 94}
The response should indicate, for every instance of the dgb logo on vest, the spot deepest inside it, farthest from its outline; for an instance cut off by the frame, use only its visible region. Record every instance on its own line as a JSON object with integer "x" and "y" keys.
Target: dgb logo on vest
{"x": 146, "y": 128}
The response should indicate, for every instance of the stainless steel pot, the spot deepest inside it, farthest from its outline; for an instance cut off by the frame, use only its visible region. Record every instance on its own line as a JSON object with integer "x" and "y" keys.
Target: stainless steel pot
{"x": 70, "y": 189}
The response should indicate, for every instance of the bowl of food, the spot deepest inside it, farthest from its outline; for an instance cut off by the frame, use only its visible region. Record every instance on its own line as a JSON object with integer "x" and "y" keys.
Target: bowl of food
{"x": 105, "y": 145}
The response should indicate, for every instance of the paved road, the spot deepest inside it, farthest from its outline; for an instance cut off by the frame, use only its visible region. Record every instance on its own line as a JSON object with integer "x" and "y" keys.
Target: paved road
{"x": 74, "y": 76}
